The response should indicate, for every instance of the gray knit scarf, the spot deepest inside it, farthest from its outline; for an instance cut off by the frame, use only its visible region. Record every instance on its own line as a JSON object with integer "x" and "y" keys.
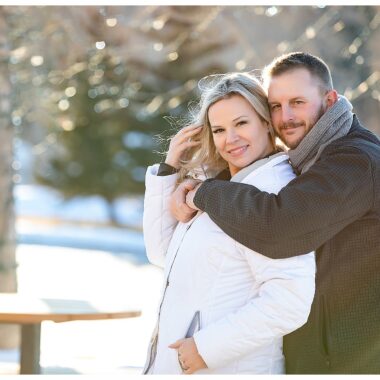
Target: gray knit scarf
{"x": 333, "y": 124}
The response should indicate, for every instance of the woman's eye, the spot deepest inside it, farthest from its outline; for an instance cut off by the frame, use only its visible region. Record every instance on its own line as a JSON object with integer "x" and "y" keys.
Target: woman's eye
{"x": 219, "y": 130}
{"x": 242, "y": 122}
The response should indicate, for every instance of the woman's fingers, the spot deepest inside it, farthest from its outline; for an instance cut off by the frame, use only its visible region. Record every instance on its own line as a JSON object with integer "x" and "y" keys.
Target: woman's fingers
{"x": 190, "y": 127}
{"x": 186, "y": 134}
{"x": 190, "y": 143}
{"x": 187, "y": 138}
{"x": 180, "y": 143}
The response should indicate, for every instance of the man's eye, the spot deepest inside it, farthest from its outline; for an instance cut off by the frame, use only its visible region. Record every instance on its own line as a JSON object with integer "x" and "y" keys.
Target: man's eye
{"x": 274, "y": 107}
{"x": 298, "y": 102}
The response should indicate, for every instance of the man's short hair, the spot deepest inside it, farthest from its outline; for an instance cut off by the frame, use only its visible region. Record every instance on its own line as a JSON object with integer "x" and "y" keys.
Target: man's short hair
{"x": 287, "y": 62}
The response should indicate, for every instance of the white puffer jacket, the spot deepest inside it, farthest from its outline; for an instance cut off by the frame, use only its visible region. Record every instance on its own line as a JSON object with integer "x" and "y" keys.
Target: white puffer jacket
{"x": 247, "y": 301}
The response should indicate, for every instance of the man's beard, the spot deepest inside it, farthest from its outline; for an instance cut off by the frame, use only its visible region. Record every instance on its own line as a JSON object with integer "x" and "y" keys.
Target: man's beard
{"x": 301, "y": 124}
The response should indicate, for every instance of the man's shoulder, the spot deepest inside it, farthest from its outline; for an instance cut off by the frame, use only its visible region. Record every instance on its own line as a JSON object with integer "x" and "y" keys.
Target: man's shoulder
{"x": 359, "y": 141}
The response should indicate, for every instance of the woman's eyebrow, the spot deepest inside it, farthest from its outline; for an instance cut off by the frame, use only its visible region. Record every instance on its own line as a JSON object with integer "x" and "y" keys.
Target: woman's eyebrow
{"x": 236, "y": 118}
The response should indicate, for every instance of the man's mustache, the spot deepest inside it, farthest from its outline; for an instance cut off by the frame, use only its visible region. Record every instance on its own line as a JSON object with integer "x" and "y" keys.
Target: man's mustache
{"x": 291, "y": 124}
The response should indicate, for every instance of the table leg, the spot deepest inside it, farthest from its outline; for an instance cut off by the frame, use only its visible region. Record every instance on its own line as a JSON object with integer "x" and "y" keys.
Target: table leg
{"x": 30, "y": 349}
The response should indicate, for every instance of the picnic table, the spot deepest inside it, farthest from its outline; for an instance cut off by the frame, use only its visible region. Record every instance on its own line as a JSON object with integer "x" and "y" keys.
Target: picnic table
{"x": 30, "y": 312}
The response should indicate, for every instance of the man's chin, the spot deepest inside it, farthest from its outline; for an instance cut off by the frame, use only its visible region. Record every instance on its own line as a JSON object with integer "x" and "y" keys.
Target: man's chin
{"x": 291, "y": 143}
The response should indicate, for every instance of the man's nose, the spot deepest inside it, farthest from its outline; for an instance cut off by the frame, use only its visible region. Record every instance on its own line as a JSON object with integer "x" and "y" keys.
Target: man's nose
{"x": 287, "y": 114}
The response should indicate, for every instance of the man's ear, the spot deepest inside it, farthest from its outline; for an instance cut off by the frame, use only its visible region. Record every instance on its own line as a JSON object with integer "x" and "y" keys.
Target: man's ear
{"x": 331, "y": 98}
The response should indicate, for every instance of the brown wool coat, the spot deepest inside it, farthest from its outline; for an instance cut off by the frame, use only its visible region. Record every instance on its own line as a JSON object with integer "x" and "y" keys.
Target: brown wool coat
{"x": 334, "y": 208}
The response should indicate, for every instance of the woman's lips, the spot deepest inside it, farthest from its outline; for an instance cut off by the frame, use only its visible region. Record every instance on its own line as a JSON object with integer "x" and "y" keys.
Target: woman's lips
{"x": 238, "y": 151}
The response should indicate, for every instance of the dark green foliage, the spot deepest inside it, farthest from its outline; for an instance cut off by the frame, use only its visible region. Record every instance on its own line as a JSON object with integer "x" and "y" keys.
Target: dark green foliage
{"x": 106, "y": 149}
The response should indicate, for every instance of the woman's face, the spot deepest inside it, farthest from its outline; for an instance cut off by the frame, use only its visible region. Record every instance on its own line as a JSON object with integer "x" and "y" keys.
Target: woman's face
{"x": 239, "y": 135}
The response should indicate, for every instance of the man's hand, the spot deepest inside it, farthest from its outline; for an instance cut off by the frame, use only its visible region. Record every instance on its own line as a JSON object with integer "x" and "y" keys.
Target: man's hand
{"x": 180, "y": 210}
{"x": 190, "y": 197}
{"x": 188, "y": 355}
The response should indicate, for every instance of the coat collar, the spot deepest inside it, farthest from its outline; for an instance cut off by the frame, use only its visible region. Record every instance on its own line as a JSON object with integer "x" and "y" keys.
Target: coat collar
{"x": 238, "y": 177}
{"x": 272, "y": 160}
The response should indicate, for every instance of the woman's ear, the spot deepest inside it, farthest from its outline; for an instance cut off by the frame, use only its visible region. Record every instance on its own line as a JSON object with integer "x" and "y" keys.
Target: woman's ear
{"x": 265, "y": 124}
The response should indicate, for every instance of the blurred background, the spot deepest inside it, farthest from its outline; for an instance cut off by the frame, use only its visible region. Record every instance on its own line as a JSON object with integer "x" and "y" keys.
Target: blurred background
{"x": 88, "y": 96}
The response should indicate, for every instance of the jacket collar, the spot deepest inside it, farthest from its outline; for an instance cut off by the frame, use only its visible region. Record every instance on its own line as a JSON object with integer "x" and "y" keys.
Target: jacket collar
{"x": 238, "y": 177}
{"x": 355, "y": 126}
{"x": 267, "y": 161}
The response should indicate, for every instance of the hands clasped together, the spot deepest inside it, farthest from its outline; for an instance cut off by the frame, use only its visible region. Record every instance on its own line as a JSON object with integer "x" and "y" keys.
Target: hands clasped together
{"x": 182, "y": 201}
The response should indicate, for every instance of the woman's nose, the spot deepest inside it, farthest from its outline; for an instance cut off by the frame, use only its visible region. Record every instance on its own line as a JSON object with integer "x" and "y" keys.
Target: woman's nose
{"x": 232, "y": 136}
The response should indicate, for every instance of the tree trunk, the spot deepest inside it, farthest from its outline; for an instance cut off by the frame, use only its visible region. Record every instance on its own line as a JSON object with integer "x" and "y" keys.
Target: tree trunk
{"x": 9, "y": 334}
{"x": 112, "y": 214}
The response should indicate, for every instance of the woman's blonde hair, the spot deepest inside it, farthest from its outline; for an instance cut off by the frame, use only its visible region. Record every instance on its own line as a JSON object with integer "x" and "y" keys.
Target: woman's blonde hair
{"x": 204, "y": 158}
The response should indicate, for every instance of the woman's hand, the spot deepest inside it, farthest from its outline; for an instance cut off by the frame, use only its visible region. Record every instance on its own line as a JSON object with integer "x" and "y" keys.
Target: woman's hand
{"x": 188, "y": 356}
{"x": 178, "y": 207}
{"x": 180, "y": 143}
{"x": 190, "y": 197}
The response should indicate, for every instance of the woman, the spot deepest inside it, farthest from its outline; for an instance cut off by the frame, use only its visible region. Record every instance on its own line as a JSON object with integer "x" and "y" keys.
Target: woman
{"x": 224, "y": 307}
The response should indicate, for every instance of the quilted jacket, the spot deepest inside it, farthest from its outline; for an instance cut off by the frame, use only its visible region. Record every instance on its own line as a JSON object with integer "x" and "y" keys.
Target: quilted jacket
{"x": 247, "y": 302}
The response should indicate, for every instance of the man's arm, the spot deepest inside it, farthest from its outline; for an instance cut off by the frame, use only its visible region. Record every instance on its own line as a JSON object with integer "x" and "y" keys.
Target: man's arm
{"x": 310, "y": 210}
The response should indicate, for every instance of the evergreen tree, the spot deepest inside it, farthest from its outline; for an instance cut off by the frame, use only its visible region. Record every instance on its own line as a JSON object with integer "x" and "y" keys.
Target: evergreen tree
{"x": 110, "y": 112}
{"x": 102, "y": 148}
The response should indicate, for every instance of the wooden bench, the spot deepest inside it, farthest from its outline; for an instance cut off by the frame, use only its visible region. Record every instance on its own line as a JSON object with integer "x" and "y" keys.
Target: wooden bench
{"x": 30, "y": 312}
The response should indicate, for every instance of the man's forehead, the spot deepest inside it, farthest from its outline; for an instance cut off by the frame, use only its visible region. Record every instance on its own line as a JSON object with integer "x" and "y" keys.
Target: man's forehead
{"x": 300, "y": 73}
{"x": 292, "y": 83}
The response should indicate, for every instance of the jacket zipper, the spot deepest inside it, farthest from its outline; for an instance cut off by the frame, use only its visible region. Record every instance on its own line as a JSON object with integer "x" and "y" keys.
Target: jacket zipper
{"x": 171, "y": 266}
{"x": 155, "y": 338}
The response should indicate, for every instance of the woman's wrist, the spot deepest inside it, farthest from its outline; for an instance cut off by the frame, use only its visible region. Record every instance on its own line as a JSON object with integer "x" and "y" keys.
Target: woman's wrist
{"x": 166, "y": 169}
{"x": 172, "y": 163}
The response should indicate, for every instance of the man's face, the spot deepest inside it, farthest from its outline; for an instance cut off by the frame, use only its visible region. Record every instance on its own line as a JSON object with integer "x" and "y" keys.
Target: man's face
{"x": 296, "y": 103}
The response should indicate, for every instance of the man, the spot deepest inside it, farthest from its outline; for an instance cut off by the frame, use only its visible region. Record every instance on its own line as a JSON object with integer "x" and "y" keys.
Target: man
{"x": 332, "y": 207}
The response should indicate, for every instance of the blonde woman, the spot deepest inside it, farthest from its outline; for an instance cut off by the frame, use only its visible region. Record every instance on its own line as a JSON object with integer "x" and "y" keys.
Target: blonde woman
{"x": 224, "y": 307}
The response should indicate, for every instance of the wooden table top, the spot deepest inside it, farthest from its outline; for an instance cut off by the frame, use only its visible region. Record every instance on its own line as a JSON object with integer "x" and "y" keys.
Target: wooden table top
{"x": 23, "y": 309}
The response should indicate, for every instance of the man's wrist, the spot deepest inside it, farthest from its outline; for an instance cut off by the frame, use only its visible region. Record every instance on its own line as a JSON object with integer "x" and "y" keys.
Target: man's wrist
{"x": 190, "y": 197}
{"x": 199, "y": 198}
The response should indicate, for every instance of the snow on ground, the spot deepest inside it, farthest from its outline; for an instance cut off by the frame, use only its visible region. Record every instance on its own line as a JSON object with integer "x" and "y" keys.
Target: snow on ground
{"x": 68, "y": 249}
{"x": 88, "y": 347}
{"x": 44, "y": 218}
{"x": 42, "y": 201}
